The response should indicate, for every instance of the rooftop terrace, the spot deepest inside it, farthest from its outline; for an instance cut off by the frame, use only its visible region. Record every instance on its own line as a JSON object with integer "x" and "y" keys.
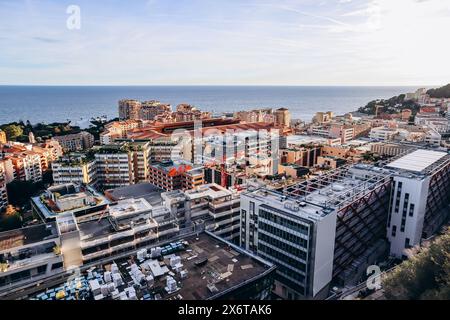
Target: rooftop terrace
{"x": 27, "y": 236}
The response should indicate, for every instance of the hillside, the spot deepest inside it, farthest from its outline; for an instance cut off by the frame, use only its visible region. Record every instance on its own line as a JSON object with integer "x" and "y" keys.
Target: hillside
{"x": 442, "y": 92}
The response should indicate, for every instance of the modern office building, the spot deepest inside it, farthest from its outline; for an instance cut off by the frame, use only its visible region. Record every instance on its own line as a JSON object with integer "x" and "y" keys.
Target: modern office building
{"x": 327, "y": 228}
{"x": 420, "y": 198}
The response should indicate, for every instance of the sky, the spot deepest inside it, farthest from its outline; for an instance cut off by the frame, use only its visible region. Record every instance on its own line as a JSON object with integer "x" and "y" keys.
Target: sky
{"x": 225, "y": 42}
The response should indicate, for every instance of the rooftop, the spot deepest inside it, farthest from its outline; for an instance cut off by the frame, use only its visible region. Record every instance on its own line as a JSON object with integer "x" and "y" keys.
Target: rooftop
{"x": 417, "y": 161}
{"x": 148, "y": 191}
{"x": 49, "y": 209}
{"x": 26, "y": 236}
{"x": 211, "y": 190}
{"x": 203, "y": 267}
{"x": 336, "y": 188}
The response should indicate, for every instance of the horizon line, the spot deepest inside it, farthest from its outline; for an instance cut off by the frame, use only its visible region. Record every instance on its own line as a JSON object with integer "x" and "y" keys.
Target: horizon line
{"x": 219, "y": 85}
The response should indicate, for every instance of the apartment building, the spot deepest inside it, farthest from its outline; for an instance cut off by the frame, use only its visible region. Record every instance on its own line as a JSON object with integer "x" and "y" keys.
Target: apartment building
{"x": 3, "y": 139}
{"x": 3, "y": 193}
{"x": 383, "y": 133}
{"x": 27, "y": 166}
{"x": 283, "y": 117}
{"x": 174, "y": 176}
{"x": 7, "y": 167}
{"x": 129, "y": 109}
{"x": 118, "y": 130}
{"x": 215, "y": 206}
{"x": 150, "y": 110}
{"x": 122, "y": 164}
{"x": 83, "y": 201}
{"x": 146, "y": 110}
{"x": 76, "y": 142}
{"x": 79, "y": 169}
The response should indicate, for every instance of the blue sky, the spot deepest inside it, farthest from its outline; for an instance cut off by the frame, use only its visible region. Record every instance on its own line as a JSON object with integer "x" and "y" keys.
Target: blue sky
{"x": 286, "y": 42}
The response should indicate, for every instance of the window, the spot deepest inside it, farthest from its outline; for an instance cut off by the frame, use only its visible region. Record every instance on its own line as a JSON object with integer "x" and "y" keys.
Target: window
{"x": 252, "y": 208}
{"x": 394, "y": 230}
{"x": 58, "y": 265}
{"x": 411, "y": 210}
{"x": 407, "y": 243}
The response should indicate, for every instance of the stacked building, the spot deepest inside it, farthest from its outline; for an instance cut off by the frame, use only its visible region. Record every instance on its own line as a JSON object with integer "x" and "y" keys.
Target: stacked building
{"x": 76, "y": 142}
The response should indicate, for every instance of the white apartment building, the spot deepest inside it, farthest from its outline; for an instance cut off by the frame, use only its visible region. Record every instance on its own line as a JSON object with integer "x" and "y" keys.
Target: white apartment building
{"x": 79, "y": 170}
{"x": 217, "y": 206}
{"x": 383, "y": 133}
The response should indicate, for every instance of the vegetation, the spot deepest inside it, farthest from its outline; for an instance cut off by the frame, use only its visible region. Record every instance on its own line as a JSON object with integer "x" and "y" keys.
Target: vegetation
{"x": 393, "y": 105}
{"x": 426, "y": 275}
{"x": 442, "y": 92}
{"x": 18, "y": 131}
{"x": 12, "y": 131}
{"x": 20, "y": 192}
{"x": 10, "y": 221}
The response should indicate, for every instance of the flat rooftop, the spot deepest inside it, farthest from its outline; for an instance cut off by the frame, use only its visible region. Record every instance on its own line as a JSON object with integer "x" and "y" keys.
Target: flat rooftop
{"x": 227, "y": 267}
{"x": 211, "y": 190}
{"x": 148, "y": 191}
{"x": 129, "y": 207}
{"x": 417, "y": 161}
{"x": 305, "y": 139}
{"x": 213, "y": 267}
{"x": 335, "y": 188}
{"x": 285, "y": 203}
{"x": 27, "y": 236}
{"x": 49, "y": 210}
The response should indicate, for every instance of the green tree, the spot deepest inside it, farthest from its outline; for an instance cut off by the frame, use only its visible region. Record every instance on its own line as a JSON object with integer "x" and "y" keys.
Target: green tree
{"x": 426, "y": 275}
{"x": 20, "y": 192}
{"x": 10, "y": 221}
{"x": 13, "y": 131}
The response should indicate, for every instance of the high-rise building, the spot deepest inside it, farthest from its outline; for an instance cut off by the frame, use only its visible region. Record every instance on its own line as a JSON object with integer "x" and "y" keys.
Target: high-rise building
{"x": 283, "y": 117}
{"x": 122, "y": 164}
{"x": 129, "y": 109}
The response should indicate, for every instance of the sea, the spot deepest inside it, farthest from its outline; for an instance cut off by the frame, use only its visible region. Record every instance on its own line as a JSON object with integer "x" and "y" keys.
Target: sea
{"x": 79, "y": 104}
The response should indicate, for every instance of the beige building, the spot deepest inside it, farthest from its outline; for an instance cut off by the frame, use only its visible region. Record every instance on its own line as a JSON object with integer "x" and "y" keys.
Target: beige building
{"x": 123, "y": 164}
{"x": 283, "y": 117}
{"x": 75, "y": 170}
{"x": 323, "y": 117}
{"x": 76, "y": 142}
{"x": 2, "y": 137}
{"x": 129, "y": 109}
